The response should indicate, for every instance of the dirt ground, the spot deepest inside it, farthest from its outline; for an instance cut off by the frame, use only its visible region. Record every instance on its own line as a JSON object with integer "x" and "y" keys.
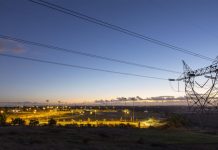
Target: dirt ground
{"x": 68, "y": 138}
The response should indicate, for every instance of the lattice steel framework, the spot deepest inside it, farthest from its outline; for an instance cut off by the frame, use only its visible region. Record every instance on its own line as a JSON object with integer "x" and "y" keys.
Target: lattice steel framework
{"x": 206, "y": 100}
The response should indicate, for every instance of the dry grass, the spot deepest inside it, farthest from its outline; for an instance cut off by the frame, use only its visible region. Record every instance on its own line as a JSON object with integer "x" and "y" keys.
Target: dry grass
{"x": 63, "y": 138}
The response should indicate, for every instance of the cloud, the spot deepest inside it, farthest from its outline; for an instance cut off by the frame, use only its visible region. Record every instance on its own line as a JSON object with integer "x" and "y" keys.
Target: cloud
{"x": 1, "y": 46}
{"x": 11, "y": 46}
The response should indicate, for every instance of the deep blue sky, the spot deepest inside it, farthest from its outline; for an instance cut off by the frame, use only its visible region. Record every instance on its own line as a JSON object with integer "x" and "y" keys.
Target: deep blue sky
{"x": 190, "y": 24}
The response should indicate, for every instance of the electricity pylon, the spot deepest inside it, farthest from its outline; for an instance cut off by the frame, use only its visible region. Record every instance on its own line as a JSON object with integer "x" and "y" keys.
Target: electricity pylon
{"x": 201, "y": 97}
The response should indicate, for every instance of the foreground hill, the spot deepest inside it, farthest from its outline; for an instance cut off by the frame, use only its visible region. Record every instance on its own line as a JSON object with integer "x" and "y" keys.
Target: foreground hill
{"x": 58, "y": 138}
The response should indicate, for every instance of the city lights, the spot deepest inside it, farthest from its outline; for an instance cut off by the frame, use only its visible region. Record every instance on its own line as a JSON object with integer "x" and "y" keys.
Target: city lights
{"x": 82, "y": 116}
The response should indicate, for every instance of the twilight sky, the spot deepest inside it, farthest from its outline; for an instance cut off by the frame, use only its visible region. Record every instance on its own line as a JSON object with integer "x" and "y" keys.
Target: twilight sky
{"x": 190, "y": 24}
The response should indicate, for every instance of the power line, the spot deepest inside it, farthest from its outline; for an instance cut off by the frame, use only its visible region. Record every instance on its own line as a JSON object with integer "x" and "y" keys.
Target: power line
{"x": 85, "y": 54}
{"x": 117, "y": 28}
{"x": 80, "y": 67}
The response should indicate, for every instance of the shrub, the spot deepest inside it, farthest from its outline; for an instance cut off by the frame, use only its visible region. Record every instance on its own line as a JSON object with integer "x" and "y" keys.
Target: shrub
{"x": 89, "y": 125}
{"x": 34, "y": 122}
{"x": 18, "y": 122}
{"x": 2, "y": 119}
{"x": 177, "y": 121}
{"x": 74, "y": 125}
{"x": 52, "y": 122}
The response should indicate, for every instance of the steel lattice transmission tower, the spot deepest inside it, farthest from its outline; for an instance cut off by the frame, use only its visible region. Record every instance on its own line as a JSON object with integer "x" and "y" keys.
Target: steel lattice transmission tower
{"x": 201, "y": 98}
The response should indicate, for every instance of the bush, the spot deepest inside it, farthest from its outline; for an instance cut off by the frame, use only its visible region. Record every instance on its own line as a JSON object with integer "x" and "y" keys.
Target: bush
{"x": 177, "y": 121}
{"x": 18, "y": 122}
{"x": 74, "y": 125}
{"x": 89, "y": 125}
{"x": 52, "y": 122}
{"x": 34, "y": 122}
{"x": 2, "y": 119}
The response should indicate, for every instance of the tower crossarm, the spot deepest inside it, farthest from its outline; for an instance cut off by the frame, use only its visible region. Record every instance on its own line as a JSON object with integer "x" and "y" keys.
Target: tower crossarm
{"x": 198, "y": 72}
{"x": 206, "y": 70}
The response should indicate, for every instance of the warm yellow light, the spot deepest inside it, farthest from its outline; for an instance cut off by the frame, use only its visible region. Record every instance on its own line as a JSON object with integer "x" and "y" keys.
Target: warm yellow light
{"x": 126, "y": 111}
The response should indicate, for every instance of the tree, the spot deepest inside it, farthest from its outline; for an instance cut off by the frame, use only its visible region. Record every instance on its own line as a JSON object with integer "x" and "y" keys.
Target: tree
{"x": 18, "y": 122}
{"x": 34, "y": 122}
{"x": 177, "y": 121}
{"x": 2, "y": 119}
{"x": 52, "y": 122}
